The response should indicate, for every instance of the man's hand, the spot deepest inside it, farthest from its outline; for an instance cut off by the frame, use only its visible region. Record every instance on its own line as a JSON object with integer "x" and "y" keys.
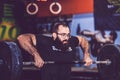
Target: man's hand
{"x": 38, "y": 61}
{"x": 88, "y": 60}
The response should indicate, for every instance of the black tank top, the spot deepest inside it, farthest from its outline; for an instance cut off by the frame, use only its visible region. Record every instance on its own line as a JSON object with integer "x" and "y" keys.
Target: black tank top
{"x": 48, "y": 51}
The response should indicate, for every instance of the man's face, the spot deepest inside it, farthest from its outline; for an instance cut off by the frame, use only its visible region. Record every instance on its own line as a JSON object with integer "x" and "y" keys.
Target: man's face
{"x": 63, "y": 34}
{"x": 62, "y": 37}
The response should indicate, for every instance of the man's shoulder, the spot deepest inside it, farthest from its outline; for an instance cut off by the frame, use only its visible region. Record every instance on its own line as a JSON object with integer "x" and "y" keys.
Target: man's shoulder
{"x": 43, "y": 38}
{"x": 44, "y": 35}
{"x": 74, "y": 39}
{"x": 73, "y": 42}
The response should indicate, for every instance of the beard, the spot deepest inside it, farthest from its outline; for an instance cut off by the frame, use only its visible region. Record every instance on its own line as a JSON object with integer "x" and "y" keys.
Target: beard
{"x": 61, "y": 45}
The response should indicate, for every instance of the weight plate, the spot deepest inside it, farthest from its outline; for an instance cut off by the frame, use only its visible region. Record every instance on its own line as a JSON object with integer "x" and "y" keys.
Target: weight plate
{"x": 5, "y": 69}
{"x": 12, "y": 59}
{"x": 112, "y": 71}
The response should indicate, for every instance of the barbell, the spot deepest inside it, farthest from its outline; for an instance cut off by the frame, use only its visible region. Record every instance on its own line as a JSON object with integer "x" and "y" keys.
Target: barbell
{"x": 11, "y": 62}
{"x": 106, "y": 62}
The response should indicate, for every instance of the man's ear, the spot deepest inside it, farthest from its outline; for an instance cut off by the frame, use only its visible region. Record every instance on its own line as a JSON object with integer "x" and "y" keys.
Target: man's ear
{"x": 54, "y": 35}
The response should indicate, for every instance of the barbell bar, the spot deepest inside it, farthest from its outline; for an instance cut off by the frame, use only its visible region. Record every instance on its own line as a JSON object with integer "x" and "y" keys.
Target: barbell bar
{"x": 106, "y": 62}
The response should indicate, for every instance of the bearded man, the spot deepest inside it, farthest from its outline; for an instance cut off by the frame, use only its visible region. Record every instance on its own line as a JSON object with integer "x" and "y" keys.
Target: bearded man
{"x": 60, "y": 48}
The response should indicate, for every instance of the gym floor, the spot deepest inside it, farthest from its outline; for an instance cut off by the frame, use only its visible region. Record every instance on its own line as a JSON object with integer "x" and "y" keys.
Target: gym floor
{"x": 78, "y": 73}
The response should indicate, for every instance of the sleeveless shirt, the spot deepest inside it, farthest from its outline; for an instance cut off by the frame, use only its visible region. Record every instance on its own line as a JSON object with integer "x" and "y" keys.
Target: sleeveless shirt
{"x": 49, "y": 52}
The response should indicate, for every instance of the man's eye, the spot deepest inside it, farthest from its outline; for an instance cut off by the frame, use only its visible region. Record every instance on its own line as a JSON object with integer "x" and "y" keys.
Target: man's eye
{"x": 63, "y": 34}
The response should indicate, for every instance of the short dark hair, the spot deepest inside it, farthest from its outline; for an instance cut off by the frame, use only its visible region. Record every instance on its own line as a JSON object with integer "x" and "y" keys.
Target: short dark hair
{"x": 114, "y": 34}
{"x": 56, "y": 26}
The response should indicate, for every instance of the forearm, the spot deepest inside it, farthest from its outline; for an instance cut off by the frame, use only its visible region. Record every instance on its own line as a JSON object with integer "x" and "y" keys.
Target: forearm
{"x": 30, "y": 49}
{"x": 84, "y": 45}
{"x": 26, "y": 43}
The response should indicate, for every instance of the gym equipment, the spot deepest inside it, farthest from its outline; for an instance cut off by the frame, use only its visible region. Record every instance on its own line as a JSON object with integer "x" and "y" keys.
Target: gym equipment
{"x": 11, "y": 62}
{"x": 112, "y": 71}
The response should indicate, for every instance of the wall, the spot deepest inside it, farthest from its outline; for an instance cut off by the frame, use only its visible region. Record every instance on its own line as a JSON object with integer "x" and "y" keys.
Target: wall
{"x": 68, "y": 7}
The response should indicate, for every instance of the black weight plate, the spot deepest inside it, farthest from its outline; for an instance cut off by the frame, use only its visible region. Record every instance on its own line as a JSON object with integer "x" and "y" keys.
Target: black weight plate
{"x": 11, "y": 56}
{"x": 5, "y": 69}
{"x": 112, "y": 71}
